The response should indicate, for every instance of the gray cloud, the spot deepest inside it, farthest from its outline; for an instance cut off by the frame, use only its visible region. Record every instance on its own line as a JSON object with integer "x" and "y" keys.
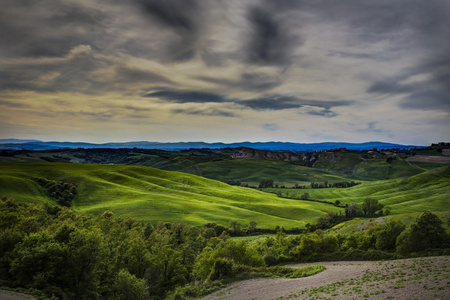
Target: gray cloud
{"x": 182, "y": 17}
{"x": 270, "y": 102}
{"x": 10, "y": 103}
{"x": 126, "y": 74}
{"x": 323, "y": 113}
{"x": 43, "y": 29}
{"x": 279, "y": 102}
{"x": 204, "y": 112}
{"x": 270, "y": 42}
{"x": 177, "y": 14}
{"x": 186, "y": 96}
{"x": 75, "y": 72}
{"x": 248, "y": 81}
{"x": 277, "y": 55}
{"x": 372, "y": 126}
{"x": 72, "y": 73}
{"x": 270, "y": 126}
{"x": 432, "y": 93}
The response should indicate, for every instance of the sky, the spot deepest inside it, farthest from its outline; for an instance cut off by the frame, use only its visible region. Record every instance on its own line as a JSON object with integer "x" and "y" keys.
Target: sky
{"x": 225, "y": 71}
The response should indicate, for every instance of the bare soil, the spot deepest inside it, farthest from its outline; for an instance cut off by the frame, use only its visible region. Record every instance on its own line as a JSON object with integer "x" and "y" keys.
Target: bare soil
{"x": 430, "y": 159}
{"x": 9, "y": 295}
{"x": 420, "y": 278}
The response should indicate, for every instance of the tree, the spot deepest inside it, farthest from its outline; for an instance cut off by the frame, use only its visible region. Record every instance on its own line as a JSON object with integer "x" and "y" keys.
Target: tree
{"x": 87, "y": 254}
{"x": 36, "y": 261}
{"x": 252, "y": 226}
{"x": 223, "y": 268}
{"x": 266, "y": 183}
{"x": 236, "y": 226}
{"x": 352, "y": 210}
{"x": 387, "y": 235}
{"x": 127, "y": 286}
{"x": 371, "y": 206}
{"x": 426, "y": 232}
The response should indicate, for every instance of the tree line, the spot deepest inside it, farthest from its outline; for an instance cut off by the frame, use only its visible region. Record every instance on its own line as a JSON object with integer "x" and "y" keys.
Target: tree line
{"x": 270, "y": 183}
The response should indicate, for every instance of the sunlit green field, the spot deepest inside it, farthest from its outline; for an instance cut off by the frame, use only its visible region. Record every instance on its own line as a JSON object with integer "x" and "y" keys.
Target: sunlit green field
{"x": 251, "y": 171}
{"x": 154, "y": 195}
{"x": 426, "y": 191}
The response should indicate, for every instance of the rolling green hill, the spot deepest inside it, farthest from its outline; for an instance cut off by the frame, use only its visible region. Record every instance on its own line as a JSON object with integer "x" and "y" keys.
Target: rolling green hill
{"x": 153, "y": 195}
{"x": 426, "y": 191}
{"x": 251, "y": 171}
{"x": 247, "y": 166}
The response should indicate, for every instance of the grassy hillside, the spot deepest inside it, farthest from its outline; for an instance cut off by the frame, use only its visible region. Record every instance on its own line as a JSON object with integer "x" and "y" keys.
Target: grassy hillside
{"x": 426, "y": 191}
{"x": 369, "y": 166}
{"x": 334, "y": 166}
{"x": 154, "y": 195}
{"x": 251, "y": 171}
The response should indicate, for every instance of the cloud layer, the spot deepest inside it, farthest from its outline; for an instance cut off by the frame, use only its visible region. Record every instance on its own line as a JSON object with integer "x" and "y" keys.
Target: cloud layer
{"x": 288, "y": 70}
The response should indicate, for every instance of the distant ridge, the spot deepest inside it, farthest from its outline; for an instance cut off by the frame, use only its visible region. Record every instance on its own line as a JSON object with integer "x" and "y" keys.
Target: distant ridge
{"x": 16, "y": 144}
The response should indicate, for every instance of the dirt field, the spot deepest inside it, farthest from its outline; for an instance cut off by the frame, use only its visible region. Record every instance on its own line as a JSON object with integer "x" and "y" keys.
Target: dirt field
{"x": 421, "y": 278}
{"x": 8, "y": 295}
{"x": 430, "y": 159}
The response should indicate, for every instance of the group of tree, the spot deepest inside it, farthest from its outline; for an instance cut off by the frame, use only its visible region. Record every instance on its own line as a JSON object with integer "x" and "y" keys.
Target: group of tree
{"x": 270, "y": 183}
{"x": 341, "y": 184}
{"x": 266, "y": 183}
{"x": 68, "y": 255}
{"x": 63, "y": 192}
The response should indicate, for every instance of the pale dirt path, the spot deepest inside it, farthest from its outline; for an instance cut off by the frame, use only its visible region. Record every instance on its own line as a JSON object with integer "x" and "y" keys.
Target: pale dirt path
{"x": 400, "y": 279}
{"x": 9, "y": 295}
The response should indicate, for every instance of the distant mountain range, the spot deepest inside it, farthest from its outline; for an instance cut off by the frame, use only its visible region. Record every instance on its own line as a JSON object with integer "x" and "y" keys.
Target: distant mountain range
{"x": 17, "y": 144}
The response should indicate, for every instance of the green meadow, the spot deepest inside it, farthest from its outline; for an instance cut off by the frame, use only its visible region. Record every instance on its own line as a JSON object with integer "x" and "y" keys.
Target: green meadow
{"x": 429, "y": 190}
{"x": 220, "y": 165}
{"x": 153, "y": 195}
{"x": 251, "y": 171}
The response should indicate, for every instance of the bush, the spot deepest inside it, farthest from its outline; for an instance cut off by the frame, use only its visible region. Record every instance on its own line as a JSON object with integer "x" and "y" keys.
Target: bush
{"x": 425, "y": 232}
{"x": 270, "y": 260}
{"x": 223, "y": 268}
{"x": 127, "y": 286}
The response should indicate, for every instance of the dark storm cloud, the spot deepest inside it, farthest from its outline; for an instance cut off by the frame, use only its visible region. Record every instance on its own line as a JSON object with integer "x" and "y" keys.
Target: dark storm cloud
{"x": 269, "y": 42}
{"x": 323, "y": 113}
{"x": 182, "y": 17}
{"x": 433, "y": 93}
{"x": 204, "y": 112}
{"x": 45, "y": 28}
{"x": 74, "y": 72}
{"x": 71, "y": 73}
{"x": 186, "y": 96}
{"x": 278, "y": 102}
{"x": 430, "y": 93}
{"x": 177, "y": 14}
{"x": 410, "y": 26}
{"x": 270, "y": 102}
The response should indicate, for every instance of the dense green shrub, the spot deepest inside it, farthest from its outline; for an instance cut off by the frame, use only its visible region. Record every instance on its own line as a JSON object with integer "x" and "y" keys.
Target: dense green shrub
{"x": 71, "y": 256}
{"x": 425, "y": 232}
